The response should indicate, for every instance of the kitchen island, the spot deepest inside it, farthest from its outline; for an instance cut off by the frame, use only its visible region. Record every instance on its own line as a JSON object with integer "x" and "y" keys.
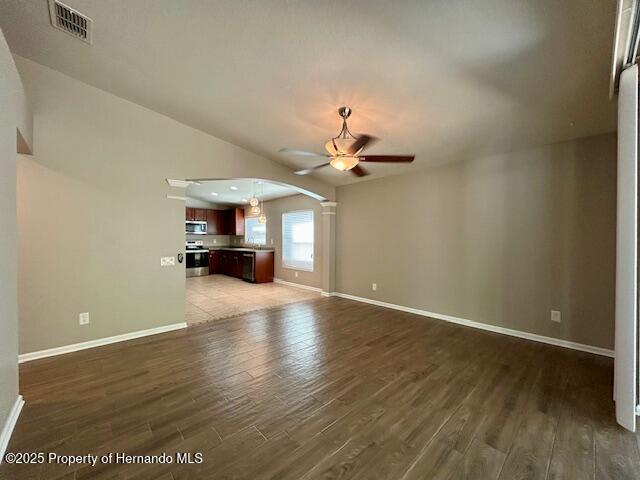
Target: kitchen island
{"x": 254, "y": 265}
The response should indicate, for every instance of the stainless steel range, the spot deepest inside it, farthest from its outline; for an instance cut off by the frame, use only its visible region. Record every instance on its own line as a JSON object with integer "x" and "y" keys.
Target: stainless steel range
{"x": 197, "y": 258}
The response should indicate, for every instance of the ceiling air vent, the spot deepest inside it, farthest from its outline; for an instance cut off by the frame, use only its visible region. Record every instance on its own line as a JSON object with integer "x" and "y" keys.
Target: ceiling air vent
{"x": 70, "y": 21}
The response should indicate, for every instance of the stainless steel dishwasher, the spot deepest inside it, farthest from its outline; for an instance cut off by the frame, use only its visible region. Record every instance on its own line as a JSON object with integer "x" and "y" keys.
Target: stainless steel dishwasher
{"x": 248, "y": 271}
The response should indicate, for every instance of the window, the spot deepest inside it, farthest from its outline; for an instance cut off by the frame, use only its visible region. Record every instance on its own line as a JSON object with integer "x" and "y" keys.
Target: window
{"x": 254, "y": 231}
{"x": 297, "y": 240}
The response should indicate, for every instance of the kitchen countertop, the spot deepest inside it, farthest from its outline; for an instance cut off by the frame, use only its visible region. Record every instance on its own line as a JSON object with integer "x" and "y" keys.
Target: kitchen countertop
{"x": 241, "y": 249}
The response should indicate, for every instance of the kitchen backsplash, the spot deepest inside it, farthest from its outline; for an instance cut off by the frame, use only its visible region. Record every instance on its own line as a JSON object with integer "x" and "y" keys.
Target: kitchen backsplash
{"x": 237, "y": 240}
{"x": 213, "y": 240}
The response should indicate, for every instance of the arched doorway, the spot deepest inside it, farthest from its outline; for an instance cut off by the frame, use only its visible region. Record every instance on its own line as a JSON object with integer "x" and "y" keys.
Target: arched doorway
{"x": 241, "y": 257}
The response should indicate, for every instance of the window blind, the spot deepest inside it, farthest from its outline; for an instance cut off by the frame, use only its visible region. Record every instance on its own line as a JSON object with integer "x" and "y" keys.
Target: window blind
{"x": 297, "y": 240}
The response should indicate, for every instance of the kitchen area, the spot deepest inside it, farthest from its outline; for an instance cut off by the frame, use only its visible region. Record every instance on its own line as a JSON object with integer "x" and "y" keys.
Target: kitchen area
{"x": 250, "y": 263}
{"x": 229, "y": 262}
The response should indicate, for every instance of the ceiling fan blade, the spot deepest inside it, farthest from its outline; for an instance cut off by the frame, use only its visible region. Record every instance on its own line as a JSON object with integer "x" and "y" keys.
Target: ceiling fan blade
{"x": 388, "y": 158}
{"x": 358, "y": 171}
{"x": 304, "y": 153}
{"x": 362, "y": 141}
{"x": 306, "y": 171}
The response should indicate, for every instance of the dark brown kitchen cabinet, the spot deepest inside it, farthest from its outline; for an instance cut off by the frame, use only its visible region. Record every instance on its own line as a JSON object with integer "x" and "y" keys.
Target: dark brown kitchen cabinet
{"x": 219, "y": 222}
{"x": 195, "y": 214}
{"x": 263, "y": 266}
{"x": 234, "y": 221}
{"x": 239, "y": 221}
{"x": 215, "y": 222}
{"x": 229, "y": 263}
{"x": 225, "y": 263}
{"x": 223, "y": 260}
{"x": 200, "y": 214}
{"x": 214, "y": 262}
{"x": 236, "y": 264}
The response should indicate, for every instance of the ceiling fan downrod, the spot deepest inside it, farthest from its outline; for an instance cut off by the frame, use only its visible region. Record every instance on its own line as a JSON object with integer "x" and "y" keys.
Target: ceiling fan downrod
{"x": 345, "y": 112}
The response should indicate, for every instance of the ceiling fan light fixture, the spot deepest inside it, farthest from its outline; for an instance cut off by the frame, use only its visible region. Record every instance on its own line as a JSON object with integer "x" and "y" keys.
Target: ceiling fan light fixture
{"x": 344, "y": 151}
{"x": 343, "y": 162}
{"x": 339, "y": 146}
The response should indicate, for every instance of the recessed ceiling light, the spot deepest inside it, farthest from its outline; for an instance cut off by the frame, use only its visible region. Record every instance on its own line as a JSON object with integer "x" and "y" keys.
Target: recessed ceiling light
{"x": 244, "y": 200}
{"x": 260, "y": 182}
{"x": 214, "y": 193}
{"x": 233, "y": 188}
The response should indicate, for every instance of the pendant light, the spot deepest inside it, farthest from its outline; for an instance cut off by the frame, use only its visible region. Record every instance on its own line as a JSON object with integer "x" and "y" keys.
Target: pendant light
{"x": 262, "y": 218}
{"x": 253, "y": 201}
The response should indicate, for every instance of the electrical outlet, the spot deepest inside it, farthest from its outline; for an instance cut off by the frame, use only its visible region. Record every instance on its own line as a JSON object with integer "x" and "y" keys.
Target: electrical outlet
{"x": 374, "y": 286}
{"x": 296, "y": 274}
{"x": 83, "y": 318}
{"x": 272, "y": 241}
{"x": 556, "y": 316}
{"x": 167, "y": 261}
{"x": 215, "y": 240}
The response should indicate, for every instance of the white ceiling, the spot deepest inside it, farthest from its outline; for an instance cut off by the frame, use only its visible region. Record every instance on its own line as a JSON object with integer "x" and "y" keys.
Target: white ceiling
{"x": 245, "y": 189}
{"x": 445, "y": 80}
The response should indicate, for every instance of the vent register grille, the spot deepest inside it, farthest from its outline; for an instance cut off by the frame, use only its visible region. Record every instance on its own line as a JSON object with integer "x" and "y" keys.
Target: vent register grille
{"x": 70, "y": 21}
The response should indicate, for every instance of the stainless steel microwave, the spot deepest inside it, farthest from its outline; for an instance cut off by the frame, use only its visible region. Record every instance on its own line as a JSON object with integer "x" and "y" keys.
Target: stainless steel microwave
{"x": 195, "y": 228}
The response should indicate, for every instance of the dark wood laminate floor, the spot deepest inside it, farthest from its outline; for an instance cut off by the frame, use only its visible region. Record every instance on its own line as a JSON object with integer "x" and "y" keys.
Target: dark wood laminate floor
{"x": 328, "y": 389}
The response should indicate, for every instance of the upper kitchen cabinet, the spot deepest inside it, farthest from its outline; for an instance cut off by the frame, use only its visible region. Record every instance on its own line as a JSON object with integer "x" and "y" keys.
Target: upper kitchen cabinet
{"x": 200, "y": 214}
{"x": 195, "y": 214}
{"x": 219, "y": 222}
{"x": 215, "y": 222}
{"x": 234, "y": 221}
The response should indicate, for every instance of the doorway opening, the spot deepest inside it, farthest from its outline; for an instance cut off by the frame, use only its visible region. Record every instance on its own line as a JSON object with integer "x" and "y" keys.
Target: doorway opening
{"x": 250, "y": 244}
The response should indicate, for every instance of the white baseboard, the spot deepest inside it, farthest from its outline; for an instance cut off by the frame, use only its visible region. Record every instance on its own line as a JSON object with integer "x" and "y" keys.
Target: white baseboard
{"x": 297, "y": 285}
{"x": 27, "y": 357}
{"x": 9, "y": 425}
{"x": 483, "y": 326}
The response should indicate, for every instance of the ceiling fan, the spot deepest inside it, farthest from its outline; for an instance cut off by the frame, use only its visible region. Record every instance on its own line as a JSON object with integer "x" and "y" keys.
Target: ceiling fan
{"x": 345, "y": 151}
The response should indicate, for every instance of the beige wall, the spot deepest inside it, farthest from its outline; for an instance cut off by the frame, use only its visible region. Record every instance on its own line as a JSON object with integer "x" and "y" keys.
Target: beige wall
{"x": 500, "y": 240}
{"x": 14, "y": 114}
{"x": 274, "y": 210}
{"x": 93, "y": 218}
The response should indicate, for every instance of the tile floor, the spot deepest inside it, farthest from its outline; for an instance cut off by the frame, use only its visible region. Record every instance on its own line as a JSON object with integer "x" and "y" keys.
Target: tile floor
{"x": 218, "y": 296}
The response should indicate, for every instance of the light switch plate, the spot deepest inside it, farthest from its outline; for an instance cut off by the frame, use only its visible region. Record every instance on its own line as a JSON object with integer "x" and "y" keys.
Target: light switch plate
{"x": 167, "y": 261}
{"x": 556, "y": 316}
{"x": 83, "y": 318}
{"x": 374, "y": 286}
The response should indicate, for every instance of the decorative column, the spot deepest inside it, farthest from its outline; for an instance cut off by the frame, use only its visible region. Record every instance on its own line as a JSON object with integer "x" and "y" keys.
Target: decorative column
{"x": 328, "y": 248}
